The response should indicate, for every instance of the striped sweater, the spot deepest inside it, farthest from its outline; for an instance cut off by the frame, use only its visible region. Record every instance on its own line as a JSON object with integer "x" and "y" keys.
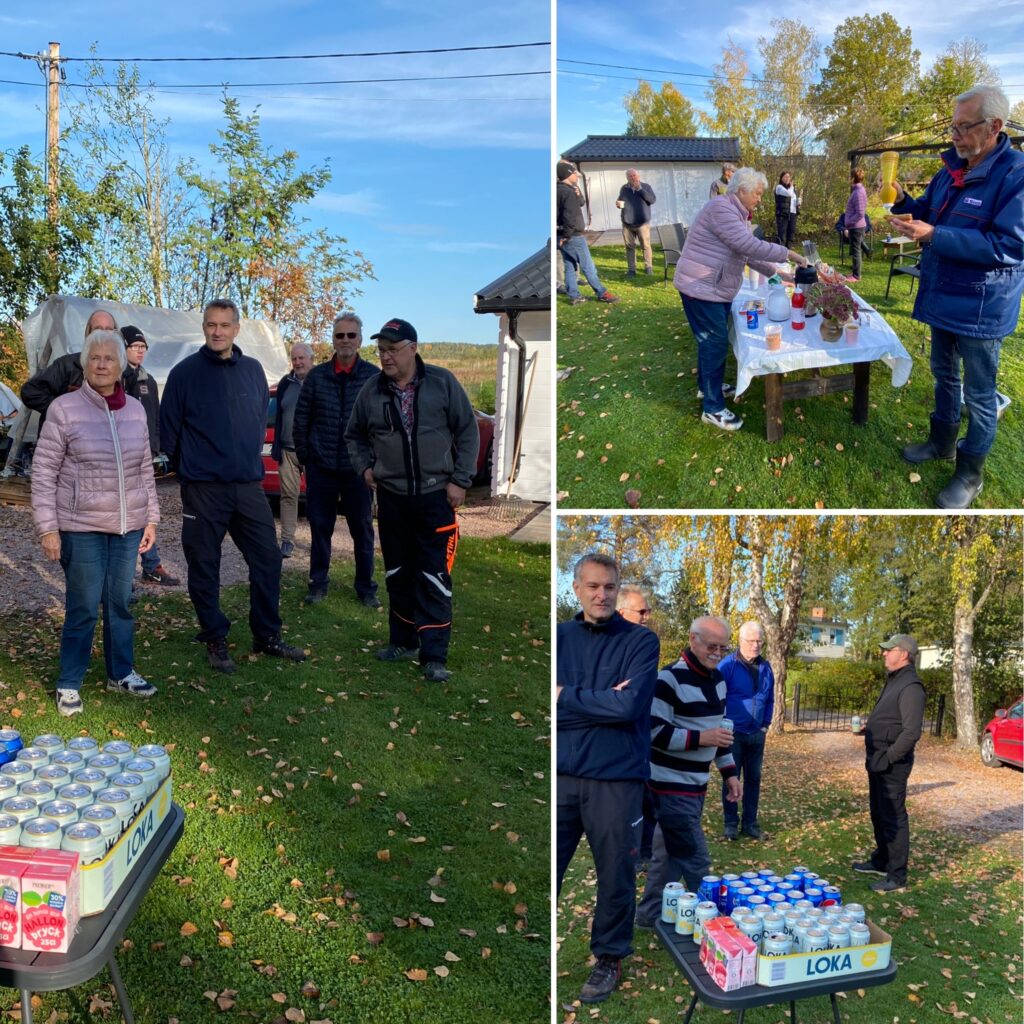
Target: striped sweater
{"x": 687, "y": 699}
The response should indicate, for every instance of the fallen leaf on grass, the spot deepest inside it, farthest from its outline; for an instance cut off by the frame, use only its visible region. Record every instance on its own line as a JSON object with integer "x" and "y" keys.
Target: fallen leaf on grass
{"x": 187, "y": 929}
{"x": 914, "y": 478}
{"x": 416, "y": 974}
{"x": 374, "y": 938}
{"x": 442, "y": 971}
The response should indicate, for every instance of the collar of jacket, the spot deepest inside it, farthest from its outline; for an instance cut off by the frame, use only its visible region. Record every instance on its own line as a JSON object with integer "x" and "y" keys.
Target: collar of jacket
{"x": 608, "y": 626}
{"x": 691, "y": 660}
{"x": 384, "y": 381}
{"x": 236, "y": 354}
{"x": 894, "y": 676}
{"x": 93, "y": 396}
{"x": 962, "y": 174}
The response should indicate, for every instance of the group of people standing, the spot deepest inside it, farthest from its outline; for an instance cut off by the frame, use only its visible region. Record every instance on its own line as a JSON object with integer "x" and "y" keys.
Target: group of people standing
{"x": 406, "y": 432}
{"x": 626, "y": 730}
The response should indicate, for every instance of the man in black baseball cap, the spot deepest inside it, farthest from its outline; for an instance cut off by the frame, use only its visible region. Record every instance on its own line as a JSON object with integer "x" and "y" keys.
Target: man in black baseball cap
{"x": 572, "y": 242}
{"x": 890, "y": 734}
{"x": 413, "y": 436}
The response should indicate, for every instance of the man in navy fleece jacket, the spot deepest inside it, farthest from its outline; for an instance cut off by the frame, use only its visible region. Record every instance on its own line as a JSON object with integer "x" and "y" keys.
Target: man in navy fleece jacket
{"x": 607, "y": 669}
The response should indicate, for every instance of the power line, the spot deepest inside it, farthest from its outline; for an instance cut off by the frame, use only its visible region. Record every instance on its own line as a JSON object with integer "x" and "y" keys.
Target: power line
{"x": 678, "y": 74}
{"x": 298, "y": 56}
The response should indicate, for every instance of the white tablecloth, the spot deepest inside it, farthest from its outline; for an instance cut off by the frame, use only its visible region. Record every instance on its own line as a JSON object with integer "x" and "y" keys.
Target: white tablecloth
{"x": 804, "y": 350}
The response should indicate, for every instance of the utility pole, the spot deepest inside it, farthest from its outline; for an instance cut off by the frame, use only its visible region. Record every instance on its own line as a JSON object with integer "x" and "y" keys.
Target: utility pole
{"x": 53, "y": 134}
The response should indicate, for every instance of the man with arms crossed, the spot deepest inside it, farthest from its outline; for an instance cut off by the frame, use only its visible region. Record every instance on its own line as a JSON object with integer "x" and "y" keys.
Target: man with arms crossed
{"x": 607, "y": 667}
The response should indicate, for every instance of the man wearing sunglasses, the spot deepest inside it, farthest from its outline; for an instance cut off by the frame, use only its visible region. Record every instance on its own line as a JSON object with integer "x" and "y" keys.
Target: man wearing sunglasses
{"x": 325, "y": 404}
{"x": 970, "y": 226}
{"x": 686, "y": 736}
{"x": 414, "y": 440}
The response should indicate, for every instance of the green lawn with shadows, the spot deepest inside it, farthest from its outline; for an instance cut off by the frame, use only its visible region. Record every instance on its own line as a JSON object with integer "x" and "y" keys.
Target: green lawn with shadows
{"x": 628, "y": 417}
{"x": 381, "y": 824}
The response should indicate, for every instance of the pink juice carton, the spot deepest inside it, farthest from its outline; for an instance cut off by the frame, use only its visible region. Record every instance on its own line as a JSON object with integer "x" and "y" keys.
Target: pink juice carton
{"x": 50, "y": 901}
{"x": 11, "y": 870}
{"x": 728, "y": 955}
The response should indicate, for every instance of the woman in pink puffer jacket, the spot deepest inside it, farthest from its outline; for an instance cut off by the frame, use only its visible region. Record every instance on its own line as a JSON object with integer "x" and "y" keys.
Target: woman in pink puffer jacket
{"x": 95, "y": 508}
{"x": 710, "y": 273}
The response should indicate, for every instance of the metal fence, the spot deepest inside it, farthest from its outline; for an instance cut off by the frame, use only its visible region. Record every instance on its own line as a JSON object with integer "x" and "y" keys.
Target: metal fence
{"x": 831, "y": 710}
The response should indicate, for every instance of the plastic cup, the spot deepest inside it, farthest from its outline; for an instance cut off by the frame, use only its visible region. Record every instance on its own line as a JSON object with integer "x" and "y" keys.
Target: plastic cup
{"x": 773, "y": 337}
{"x": 852, "y": 332}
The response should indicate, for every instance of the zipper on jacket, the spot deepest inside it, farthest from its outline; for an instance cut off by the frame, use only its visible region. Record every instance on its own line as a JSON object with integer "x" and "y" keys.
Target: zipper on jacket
{"x": 120, "y": 472}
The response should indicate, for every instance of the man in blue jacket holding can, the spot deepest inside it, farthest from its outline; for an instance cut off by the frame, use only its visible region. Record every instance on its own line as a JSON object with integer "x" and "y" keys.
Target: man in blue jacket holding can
{"x": 749, "y": 705}
{"x": 607, "y": 668}
{"x": 970, "y": 226}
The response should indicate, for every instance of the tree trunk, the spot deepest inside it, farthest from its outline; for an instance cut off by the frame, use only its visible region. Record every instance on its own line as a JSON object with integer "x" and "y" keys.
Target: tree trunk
{"x": 963, "y": 691}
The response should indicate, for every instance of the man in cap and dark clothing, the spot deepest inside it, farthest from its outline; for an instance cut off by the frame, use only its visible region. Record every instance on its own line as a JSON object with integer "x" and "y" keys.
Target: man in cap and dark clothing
{"x": 572, "y": 242}
{"x": 414, "y": 439}
{"x": 890, "y": 733}
{"x": 139, "y": 384}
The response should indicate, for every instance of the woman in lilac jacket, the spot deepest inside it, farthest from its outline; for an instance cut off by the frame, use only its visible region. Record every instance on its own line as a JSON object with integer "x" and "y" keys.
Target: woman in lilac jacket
{"x": 855, "y": 218}
{"x": 95, "y": 508}
{"x": 710, "y": 273}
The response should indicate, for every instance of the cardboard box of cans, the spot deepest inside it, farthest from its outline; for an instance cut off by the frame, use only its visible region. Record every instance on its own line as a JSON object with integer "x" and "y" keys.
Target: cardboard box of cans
{"x": 104, "y": 804}
{"x": 794, "y": 968}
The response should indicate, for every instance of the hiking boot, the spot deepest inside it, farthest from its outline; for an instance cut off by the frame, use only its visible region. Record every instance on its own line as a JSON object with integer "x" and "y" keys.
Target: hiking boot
{"x": 370, "y": 601}
{"x": 287, "y": 547}
{"x": 603, "y": 980}
{"x": 315, "y": 595}
{"x": 728, "y": 391}
{"x": 941, "y": 444}
{"x": 162, "y": 576}
{"x": 277, "y": 648}
{"x": 753, "y": 831}
{"x": 217, "y": 657}
{"x": 436, "y": 672}
{"x": 395, "y": 652}
{"x": 607, "y": 297}
{"x": 888, "y": 885}
{"x": 68, "y": 702}
{"x": 724, "y": 420}
{"x": 865, "y": 867}
{"x": 730, "y": 832}
{"x": 133, "y": 684}
{"x": 965, "y": 484}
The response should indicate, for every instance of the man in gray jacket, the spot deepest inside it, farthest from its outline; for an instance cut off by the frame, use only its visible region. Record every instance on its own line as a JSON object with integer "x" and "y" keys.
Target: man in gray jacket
{"x": 414, "y": 439}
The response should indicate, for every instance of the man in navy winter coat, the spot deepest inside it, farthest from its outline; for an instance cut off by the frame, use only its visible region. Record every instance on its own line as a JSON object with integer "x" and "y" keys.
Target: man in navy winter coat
{"x": 970, "y": 226}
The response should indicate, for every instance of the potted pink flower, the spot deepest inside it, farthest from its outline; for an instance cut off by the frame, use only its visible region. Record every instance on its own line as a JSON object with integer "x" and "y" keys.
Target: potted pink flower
{"x": 836, "y": 304}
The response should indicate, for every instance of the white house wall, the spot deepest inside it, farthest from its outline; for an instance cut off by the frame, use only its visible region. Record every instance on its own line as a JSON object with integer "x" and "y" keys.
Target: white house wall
{"x": 535, "y": 465}
{"x": 681, "y": 190}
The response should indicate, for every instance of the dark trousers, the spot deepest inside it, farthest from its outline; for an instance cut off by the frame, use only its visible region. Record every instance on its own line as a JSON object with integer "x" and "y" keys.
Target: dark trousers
{"x": 419, "y": 536}
{"x": 609, "y": 815}
{"x": 324, "y": 491}
{"x": 887, "y": 795}
{"x": 785, "y": 228}
{"x": 748, "y": 753}
{"x": 650, "y": 823}
{"x": 209, "y": 511}
{"x": 856, "y": 244}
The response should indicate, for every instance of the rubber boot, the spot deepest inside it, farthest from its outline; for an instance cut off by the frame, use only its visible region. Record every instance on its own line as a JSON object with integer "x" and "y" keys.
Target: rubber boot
{"x": 941, "y": 443}
{"x": 965, "y": 485}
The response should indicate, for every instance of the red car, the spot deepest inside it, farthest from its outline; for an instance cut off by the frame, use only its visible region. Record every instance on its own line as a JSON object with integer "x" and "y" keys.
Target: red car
{"x": 272, "y": 484}
{"x": 1002, "y": 741}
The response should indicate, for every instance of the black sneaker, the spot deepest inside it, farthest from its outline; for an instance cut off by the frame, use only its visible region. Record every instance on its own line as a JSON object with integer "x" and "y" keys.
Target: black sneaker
{"x": 287, "y": 548}
{"x": 644, "y": 925}
{"x": 395, "y": 652}
{"x": 578, "y": 301}
{"x": 865, "y": 867}
{"x": 436, "y": 672}
{"x": 162, "y": 576}
{"x": 315, "y": 595}
{"x": 888, "y": 885}
{"x": 277, "y": 648}
{"x": 217, "y": 656}
{"x": 370, "y": 601}
{"x": 603, "y": 980}
{"x": 730, "y": 832}
{"x": 753, "y": 831}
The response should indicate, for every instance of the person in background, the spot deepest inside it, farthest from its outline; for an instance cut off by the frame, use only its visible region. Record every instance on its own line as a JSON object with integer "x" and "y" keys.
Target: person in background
{"x": 283, "y": 449}
{"x": 140, "y": 385}
{"x": 95, "y": 508}
{"x": 606, "y": 672}
{"x": 710, "y": 274}
{"x": 749, "y": 705}
{"x": 720, "y": 186}
{"x": 787, "y": 206}
{"x": 970, "y": 226}
{"x": 635, "y": 200}
{"x": 855, "y": 219}
{"x": 572, "y": 240}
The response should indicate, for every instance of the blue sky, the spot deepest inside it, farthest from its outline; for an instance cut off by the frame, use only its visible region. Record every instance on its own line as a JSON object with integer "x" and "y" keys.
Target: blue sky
{"x": 443, "y": 185}
{"x": 689, "y": 38}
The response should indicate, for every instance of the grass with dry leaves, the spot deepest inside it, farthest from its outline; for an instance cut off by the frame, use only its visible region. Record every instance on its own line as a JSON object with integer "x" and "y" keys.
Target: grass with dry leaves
{"x": 956, "y": 930}
{"x": 360, "y": 845}
{"x": 629, "y": 419}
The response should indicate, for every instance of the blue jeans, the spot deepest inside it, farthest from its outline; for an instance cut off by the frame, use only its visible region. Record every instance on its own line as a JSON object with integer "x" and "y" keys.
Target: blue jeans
{"x": 748, "y": 753}
{"x": 576, "y": 256}
{"x": 98, "y": 570}
{"x": 981, "y": 361}
{"x": 709, "y": 322}
{"x": 151, "y": 559}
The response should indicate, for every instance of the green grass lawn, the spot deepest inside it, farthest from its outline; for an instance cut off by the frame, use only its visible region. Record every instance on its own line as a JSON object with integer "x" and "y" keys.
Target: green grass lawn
{"x": 956, "y": 931}
{"x": 628, "y": 417}
{"x": 377, "y": 824}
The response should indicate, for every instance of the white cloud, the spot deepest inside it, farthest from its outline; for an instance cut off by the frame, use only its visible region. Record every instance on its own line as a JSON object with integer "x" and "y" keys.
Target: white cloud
{"x": 463, "y": 247}
{"x": 361, "y": 202}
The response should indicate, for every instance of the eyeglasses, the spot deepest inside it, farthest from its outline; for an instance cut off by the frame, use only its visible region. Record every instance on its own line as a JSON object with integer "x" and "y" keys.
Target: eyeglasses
{"x": 959, "y": 130}
{"x": 139, "y": 346}
{"x": 351, "y": 335}
{"x": 644, "y": 613}
{"x": 757, "y": 643}
{"x": 386, "y": 353}
{"x": 713, "y": 648}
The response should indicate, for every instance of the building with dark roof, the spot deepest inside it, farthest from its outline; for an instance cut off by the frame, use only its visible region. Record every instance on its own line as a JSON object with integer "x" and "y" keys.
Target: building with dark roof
{"x": 679, "y": 169}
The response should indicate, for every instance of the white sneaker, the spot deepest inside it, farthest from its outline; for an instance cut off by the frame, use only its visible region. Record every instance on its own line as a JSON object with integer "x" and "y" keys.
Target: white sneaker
{"x": 69, "y": 702}
{"x": 728, "y": 391}
{"x": 133, "y": 684}
{"x": 724, "y": 420}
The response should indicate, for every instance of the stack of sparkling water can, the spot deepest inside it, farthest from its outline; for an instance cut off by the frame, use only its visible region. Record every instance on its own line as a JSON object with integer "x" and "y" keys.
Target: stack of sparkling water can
{"x": 797, "y": 913}
{"x": 75, "y": 796}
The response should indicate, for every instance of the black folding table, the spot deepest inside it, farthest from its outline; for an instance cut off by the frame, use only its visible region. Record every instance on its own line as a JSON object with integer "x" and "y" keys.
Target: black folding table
{"x": 686, "y": 954}
{"x": 92, "y": 948}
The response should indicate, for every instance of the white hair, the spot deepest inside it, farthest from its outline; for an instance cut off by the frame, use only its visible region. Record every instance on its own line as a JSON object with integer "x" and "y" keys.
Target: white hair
{"x": 308, "y": 349}
{"x": 748, "y": 627}
{"x": 993, "y": 102}
{"x": 696, "y": 624}
{"x": 746, "y": 179}
{"x": 628, "y": 589}
{"x": 348, "y": 315}
{"x": 102, "y": 337}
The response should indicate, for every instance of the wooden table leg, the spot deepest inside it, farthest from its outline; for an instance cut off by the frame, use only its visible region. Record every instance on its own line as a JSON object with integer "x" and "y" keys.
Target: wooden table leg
{"x": 773, "y": 406}
{"x": 861, "y": 391}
